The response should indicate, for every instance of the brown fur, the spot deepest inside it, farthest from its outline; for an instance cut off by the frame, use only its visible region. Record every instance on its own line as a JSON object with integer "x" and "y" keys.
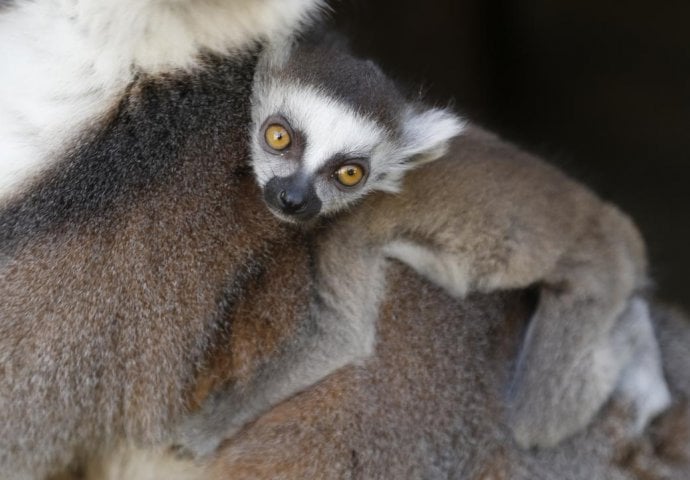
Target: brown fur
{"x": 104, "y": 324}
{"x": 346, "y": 425}
{"x": 410, "y": 412}
{"x": 261, "y": 321}
{"x": 351, "y": 419}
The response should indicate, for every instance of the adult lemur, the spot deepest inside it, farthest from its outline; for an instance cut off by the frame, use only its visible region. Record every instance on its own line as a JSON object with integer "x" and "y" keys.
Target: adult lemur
{"x": 330, "y": 128}
{"x": 129, "y": 223}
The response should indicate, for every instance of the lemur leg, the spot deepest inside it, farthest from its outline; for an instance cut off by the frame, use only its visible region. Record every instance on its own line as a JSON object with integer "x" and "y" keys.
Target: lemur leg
{"x": 570, "y": 363}
{"x": 341, "y": 329}
{"x": 568, "y": 366}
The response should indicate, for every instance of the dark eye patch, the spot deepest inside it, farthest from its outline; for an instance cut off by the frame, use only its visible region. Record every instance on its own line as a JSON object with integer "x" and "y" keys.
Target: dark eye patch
{"x": 298, "y": 143}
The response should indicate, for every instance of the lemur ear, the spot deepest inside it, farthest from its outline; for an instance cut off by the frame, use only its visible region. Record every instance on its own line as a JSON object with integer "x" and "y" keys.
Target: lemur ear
{"x": 427, "y": 134}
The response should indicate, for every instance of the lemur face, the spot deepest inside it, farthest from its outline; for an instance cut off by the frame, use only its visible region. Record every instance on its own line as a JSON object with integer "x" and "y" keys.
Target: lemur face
{"x": 329, "y": 128}
{"x": 314, "y": 156}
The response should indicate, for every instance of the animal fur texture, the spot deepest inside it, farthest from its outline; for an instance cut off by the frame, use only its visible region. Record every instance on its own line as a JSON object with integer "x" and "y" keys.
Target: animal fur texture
{"x": 428, "y": 404}
{"x": 490, "y": 217}
{"x": 139, "y": 271}
{"x": 491, "y": 230}
{"x": 129, "y": 222}
{"x": 521, "y": 223}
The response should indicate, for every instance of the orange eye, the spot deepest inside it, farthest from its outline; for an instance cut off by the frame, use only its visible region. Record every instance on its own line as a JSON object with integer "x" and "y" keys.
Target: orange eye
{"x": 277, "y": 137}
{"x": 349, "y": 175}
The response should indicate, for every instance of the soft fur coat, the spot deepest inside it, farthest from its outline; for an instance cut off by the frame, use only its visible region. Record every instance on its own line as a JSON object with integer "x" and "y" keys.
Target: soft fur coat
{"x": 138, "y": 269}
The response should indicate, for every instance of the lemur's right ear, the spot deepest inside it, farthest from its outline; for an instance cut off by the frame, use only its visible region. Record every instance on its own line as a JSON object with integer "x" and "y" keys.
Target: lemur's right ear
{"x": 427, "y": 133}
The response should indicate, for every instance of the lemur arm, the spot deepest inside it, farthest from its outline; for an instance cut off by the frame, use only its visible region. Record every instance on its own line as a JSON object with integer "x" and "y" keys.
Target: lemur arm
{"x": 340, "y": 329}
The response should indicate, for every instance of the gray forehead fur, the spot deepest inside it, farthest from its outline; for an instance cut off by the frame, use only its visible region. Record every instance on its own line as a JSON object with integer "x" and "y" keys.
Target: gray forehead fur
{"x": 326, "y": 62}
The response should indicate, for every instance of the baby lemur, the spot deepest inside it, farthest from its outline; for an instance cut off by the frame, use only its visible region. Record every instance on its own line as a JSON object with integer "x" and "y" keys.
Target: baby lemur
{"x": 330, "y": 128}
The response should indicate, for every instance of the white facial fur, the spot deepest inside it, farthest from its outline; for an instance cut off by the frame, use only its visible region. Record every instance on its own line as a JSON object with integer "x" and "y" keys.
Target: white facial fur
{"x": 66, "y": 62}
{"x": 334, "y": 128}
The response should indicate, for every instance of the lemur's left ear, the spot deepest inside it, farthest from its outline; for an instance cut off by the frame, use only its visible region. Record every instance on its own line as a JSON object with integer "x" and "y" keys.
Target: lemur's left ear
{"x": 427, "y": 133}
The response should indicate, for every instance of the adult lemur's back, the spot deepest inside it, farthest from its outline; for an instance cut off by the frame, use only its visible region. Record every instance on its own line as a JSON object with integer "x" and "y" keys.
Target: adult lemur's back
{"x": 127, "y": 223}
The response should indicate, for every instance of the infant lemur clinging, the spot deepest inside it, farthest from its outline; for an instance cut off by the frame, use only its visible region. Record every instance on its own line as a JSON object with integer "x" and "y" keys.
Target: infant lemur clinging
{"x": 330, "y": 128}
{"x": 331, "y": 131}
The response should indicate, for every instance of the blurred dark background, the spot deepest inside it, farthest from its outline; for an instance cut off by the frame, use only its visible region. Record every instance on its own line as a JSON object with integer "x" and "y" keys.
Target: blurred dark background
{"x": 601, "y": 88}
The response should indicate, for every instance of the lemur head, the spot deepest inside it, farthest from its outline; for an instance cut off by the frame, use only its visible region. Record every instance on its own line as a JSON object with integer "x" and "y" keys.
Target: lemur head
{"x": 329, "y": 127}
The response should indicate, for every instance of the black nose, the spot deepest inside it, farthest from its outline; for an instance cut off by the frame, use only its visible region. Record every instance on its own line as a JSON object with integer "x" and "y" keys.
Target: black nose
{"x": 292, "y": 201}
{"x": 294, "y": 196}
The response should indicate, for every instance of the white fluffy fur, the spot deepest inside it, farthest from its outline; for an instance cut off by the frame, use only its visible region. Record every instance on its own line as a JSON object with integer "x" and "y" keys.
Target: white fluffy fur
{"x": 65, "y": 62}
{"x": 427, "y": 133}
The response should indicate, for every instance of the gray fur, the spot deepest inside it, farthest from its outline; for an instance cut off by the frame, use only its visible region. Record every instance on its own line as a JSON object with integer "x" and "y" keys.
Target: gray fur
{"x": 535, "y": 226}
{"x": 642, "y": 382}
{"x": 520, "y": 222}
